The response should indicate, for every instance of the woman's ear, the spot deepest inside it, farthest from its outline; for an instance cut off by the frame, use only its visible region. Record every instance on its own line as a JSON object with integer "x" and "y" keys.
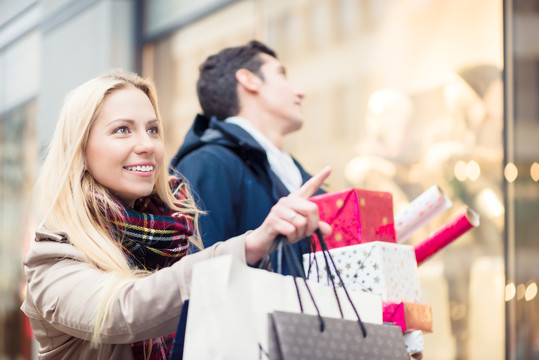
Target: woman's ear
{"x": 248, "y": 80}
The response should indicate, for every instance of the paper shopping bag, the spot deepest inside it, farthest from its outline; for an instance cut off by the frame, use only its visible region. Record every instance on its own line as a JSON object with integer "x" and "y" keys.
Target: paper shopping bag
{"x": 294, "y": 336}
{"x": 230, "y": 302}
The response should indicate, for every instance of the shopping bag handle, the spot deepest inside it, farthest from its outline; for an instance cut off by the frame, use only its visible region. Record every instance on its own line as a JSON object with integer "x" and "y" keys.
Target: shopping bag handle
{"x": 265, "y": 263}
{"x": 276, "y": 249}
{"x": 293, "y": 262}
{"x": 284, "y": 250}
{"x": 283, "y": 247}
{"x": 327, "y": 254}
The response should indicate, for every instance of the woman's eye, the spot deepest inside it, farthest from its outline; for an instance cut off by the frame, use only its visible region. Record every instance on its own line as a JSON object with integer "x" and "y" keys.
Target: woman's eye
{"x": 154, "y": 130}
{"x": 121, "y": 130}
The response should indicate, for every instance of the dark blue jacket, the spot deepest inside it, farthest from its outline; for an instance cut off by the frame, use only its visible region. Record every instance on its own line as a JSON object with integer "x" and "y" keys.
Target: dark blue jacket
{"x": 231, "y": 179}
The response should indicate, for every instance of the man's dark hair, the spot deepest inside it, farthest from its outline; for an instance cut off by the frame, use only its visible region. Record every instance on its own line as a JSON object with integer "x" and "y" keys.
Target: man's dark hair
{"x": 216, "y": 85}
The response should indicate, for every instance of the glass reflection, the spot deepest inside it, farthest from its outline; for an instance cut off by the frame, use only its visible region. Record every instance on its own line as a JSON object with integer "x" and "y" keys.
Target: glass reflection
{"x": 531, "y": 291}
{"x": 400, "y": 97}
{"x": 510, "y": 291}
{"x": 534, "y": 171}
{"x": 510, "y": 172}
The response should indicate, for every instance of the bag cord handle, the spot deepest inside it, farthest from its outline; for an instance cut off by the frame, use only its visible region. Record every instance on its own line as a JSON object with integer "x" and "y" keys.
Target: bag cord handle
{"x": 326, "y": 253}
{"x": 265, "y": 263}
{"x": 283, "y": 247}
{"x": 293, "y": 263}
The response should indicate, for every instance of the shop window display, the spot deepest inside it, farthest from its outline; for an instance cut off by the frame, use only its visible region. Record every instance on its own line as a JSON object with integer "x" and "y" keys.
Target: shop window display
{"x": 17, "y": 166}
{"x": 466, "y": 130}
{"x": 399, "y": 97}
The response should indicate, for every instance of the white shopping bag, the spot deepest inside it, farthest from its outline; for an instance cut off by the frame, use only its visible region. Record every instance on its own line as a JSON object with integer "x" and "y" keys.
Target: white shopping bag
{"x": 230, "y": 302}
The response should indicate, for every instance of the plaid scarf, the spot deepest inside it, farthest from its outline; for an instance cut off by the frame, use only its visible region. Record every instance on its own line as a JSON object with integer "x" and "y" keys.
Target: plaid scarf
{"x": 153, "y": 237}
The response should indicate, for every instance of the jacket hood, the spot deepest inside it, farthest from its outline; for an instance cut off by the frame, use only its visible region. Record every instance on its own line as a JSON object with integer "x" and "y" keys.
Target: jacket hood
{"x": 212, "y": 131}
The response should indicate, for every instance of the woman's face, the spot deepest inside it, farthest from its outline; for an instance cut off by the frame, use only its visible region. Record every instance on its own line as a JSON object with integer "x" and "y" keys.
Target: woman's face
{"x": 124, "y": 151}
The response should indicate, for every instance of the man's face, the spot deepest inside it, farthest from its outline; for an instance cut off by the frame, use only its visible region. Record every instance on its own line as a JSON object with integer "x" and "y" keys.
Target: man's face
{"x": 279, "y": 99}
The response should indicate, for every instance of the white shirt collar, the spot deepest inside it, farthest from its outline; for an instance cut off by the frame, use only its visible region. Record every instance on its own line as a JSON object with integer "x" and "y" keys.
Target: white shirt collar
{"x": 281, "y": 163}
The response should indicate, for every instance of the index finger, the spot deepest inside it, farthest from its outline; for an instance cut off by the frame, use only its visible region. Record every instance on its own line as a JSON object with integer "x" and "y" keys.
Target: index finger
{"x": 313, "y": 184}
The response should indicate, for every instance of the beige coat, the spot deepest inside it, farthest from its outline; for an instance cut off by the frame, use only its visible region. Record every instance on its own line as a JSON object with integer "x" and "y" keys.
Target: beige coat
{"x": 64, "y": 290}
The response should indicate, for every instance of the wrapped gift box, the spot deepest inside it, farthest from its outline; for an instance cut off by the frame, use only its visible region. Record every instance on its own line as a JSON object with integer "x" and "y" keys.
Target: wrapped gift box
{"x": 409, "y": 316}
{"x": 383, "y": 268}
{"x": 414, "y": 342}
{"x": 356, "y": 216}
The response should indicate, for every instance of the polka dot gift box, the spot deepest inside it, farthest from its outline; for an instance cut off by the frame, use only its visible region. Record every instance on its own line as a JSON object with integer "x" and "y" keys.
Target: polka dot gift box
{"x": 383, "y": 268}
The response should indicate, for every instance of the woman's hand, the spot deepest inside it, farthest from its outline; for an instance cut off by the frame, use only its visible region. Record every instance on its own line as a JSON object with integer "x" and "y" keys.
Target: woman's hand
{"x": 293, "y": 216}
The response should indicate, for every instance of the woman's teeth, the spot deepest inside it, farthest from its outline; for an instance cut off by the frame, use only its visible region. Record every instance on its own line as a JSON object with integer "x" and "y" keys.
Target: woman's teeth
{"x": 139, "y": 168}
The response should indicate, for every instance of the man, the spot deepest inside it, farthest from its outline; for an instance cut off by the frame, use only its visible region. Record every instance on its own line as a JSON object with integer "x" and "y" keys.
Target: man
{"x": 233, "y": 154}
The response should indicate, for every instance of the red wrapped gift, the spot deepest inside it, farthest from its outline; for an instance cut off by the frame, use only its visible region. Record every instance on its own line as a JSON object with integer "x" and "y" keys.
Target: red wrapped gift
{"x": 357, "y": 216}
{"x": 409, "y": 316}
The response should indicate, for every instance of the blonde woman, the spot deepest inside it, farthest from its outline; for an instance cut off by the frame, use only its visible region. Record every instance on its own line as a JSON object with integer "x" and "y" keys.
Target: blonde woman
{"x": 107, "y": 272}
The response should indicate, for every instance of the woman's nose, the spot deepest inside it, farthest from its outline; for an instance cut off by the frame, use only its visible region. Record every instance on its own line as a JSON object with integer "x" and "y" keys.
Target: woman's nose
{"x": 145, "y": 143}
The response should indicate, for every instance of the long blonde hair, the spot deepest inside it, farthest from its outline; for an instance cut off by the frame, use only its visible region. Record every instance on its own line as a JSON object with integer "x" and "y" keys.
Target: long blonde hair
{"x": 70, "y": 200}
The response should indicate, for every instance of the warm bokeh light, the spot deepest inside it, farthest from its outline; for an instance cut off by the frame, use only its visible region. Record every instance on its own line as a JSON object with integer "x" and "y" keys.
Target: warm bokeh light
{"x": 534, "y": 171}
{"x": 510, "y": 172}
{"x": 460, "y": 170}
{"x": 521, "y": 290}
{"x": 531, "y": 291}
{"x": 473, "y": 170}
{"x": 510, "y": 291}
{"x": 490, "y": 203}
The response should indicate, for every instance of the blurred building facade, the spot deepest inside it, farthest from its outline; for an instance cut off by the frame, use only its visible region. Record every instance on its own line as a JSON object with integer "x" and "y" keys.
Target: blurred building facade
{"x": 401, "y": 95}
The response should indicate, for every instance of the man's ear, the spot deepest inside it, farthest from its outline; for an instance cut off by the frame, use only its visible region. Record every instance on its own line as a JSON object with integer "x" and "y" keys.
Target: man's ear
{"x": 248, "y": 80}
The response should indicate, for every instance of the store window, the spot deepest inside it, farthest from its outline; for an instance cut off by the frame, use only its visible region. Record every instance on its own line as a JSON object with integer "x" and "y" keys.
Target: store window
{"x": 161, "y": 15}
{"x": 18, "y": 163}
{"x": 19, "y": 84}
{"x": 401, "y": 96}
{"x": 521, "y": 173}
